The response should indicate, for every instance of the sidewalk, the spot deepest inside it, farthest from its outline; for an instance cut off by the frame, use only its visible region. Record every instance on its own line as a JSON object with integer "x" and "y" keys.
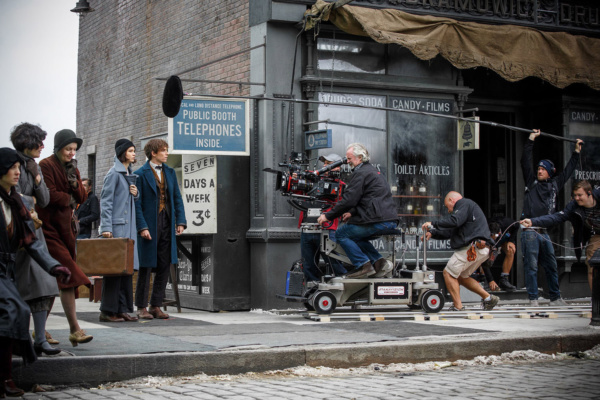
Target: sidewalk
{"x": 236, "y": 342}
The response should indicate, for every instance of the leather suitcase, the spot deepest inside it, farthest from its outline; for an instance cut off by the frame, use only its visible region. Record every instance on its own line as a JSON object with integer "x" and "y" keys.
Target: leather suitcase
{"x": 105, "y": 257}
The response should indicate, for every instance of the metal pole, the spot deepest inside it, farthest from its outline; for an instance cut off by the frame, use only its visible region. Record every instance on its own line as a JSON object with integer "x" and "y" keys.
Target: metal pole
{"x": 595, "y": 263}
{"x": 494, "y": 124}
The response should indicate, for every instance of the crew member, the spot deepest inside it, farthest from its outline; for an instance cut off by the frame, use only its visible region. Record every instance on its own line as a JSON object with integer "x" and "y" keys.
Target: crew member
{"x": 368, "y": 200}
{"x": 310, "y": 243}
{"x": 584, "y": 213}
{"x": 541, "y": 197}
{"x": 468, "y": 231}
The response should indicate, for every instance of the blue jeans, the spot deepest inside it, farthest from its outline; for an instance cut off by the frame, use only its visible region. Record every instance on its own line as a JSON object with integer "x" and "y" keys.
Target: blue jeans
{"x": 310, "y": 249}
{"x": 538, "y": 248}
{"x": 353, "y": 239}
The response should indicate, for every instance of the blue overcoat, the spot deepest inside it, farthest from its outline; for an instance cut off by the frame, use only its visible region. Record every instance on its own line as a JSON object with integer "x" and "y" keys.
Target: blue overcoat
{"x": 117, "y": 206}
{"x": 147, "y": 212}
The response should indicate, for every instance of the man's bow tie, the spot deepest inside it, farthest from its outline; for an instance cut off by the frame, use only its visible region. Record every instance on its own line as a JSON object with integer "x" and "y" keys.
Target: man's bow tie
{"x": 158, "y": 167}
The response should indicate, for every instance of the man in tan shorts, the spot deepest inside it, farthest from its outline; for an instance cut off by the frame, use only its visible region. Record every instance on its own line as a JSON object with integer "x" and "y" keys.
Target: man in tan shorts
{"x": 468, "y": 231}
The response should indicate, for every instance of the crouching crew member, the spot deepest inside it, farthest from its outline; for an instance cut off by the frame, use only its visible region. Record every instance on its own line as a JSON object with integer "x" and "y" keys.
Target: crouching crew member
{"x": 468, "y": 231}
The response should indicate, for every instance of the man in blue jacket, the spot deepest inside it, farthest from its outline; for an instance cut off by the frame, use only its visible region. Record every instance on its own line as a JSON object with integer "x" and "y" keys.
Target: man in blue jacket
{"x": 541, "y": 198}
{"x": 369, "y": 208}
{"x": 468, "y": 231}
{"x": 584, "y": 213}
{"x": 160, "y": 216}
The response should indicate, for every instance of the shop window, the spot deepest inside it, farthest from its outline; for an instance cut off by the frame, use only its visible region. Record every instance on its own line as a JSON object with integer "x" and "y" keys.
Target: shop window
{"x": 350, "y": 56}
{"x": 353, "y": 124}
{"x": 423, "y": 159}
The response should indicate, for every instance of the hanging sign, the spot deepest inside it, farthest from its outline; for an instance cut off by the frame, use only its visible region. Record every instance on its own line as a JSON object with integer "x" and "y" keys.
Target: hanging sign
{"x": 468, "y": 135}
{"x": 320, "y": 139}
{"x": 206, "y": 125}
{"x": 199, "y": 192}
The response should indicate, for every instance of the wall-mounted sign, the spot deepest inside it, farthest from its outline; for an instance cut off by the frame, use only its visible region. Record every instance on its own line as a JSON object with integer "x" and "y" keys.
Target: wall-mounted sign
{"x": 208, "y": 125}
{"x": 468, "y": 135}
{"x": 199, "y": 192}
{"x": 320, "y": 139}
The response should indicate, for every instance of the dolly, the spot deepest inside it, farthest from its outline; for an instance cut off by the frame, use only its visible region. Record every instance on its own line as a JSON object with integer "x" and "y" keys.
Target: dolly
{"x": 415, "y": 288}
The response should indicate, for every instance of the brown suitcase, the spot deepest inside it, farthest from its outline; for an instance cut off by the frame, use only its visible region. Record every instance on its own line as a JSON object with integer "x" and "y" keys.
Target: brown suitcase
{"x": 105, "y": 257}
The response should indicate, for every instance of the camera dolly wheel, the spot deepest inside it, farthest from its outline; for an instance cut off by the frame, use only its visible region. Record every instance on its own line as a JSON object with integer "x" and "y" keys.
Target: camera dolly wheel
{"x": 324, "y": 302}
{"x": 432, "y": 301}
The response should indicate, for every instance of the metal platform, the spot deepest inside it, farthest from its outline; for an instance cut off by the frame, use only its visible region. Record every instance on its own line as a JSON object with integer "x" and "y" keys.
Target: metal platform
{"x": 471, "y": 313}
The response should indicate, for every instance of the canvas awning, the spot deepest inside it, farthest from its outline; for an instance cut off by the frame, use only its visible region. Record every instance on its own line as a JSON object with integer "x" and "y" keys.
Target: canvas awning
{"x": 514, "y": 52}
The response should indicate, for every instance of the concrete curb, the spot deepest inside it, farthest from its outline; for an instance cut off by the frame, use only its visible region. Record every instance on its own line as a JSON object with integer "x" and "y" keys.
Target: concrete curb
{"x": 96, "y": 370}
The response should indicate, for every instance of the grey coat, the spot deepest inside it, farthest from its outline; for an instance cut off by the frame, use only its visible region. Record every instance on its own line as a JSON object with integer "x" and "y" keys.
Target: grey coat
{"x": 117, "y": 206}
{"x": 31, "y": 280}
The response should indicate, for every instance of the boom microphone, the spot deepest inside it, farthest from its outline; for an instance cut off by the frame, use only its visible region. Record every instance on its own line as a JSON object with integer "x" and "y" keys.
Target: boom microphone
{"x": 331, "y": 166}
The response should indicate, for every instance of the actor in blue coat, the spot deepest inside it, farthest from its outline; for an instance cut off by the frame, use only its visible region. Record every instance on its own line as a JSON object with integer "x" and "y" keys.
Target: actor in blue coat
{"x": 160, "y": 216}
{"x": 117, "y": 202}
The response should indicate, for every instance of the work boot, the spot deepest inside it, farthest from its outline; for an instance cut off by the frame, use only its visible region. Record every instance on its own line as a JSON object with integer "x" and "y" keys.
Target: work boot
{"x": 506, "y": 285}
{"x": 363, "y": 272}
{"x": 382, "y": 267}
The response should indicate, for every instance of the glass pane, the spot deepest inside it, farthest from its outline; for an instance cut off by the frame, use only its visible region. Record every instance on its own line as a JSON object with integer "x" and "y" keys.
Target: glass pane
{"x": 350, "y": 56}
{"x": 353, "y": 124}
{"x": 424, "y": 160}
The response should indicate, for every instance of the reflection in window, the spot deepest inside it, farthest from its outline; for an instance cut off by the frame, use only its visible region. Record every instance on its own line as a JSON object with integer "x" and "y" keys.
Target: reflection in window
{"x": 353, "y": 124}
{"x": 351, "y": 56}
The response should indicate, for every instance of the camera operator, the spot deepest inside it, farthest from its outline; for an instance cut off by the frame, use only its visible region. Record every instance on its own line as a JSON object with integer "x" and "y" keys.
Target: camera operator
{"x": 368, "y": 200}
{"x": 310, "y": 243}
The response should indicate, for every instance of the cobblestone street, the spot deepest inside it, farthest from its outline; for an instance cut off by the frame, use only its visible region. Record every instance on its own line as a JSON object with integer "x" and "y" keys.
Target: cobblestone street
{"x": 571, "y": 379}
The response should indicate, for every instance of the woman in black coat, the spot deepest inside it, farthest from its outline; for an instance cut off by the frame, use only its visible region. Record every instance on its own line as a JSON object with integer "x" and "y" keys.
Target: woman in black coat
{"x": 16, "y": 231}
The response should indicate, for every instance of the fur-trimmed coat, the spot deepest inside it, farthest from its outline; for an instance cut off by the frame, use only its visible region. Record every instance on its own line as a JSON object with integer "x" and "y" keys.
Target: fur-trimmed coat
{"x": 59, "y": 235}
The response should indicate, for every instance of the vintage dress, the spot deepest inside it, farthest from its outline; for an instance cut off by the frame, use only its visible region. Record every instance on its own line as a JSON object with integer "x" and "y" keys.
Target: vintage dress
{"x": 117, "y": 207}
{"x": 32, "y": 281}
{"x": 60, "y": 238}
{"x": 147, "y": 212}
{"x": 14, "y": 312}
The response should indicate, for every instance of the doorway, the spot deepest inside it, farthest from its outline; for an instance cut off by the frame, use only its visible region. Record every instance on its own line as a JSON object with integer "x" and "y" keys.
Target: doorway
{"x": 489, "y": 174}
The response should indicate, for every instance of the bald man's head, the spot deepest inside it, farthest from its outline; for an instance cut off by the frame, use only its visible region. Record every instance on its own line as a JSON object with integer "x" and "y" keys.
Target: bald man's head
{"x": 451, "y": 199}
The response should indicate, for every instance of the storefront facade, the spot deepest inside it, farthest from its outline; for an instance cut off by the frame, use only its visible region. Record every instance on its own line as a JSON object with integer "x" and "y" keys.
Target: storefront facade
{"x": 332, "y": 68}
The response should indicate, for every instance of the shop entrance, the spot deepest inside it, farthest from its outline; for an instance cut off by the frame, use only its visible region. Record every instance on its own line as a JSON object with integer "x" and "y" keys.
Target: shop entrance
{"x": 489, "y": 174}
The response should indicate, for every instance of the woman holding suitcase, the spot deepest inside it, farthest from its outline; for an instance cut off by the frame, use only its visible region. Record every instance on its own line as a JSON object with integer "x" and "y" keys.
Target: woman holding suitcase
{"x": 117, "y": 205}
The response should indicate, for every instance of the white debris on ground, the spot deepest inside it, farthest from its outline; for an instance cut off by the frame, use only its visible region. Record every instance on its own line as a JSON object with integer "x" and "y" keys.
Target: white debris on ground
{"x": 515, "y": 357}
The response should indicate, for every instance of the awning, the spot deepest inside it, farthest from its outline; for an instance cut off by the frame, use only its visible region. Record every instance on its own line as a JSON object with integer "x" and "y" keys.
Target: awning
{"x": 514, "y": 52}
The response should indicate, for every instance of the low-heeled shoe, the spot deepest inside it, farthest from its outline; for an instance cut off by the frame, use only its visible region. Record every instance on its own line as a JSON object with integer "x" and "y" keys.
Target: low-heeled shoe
{"x": 127, "y": 317}
{"x": 49, "y": 351}
{"x": 109, "y": 318}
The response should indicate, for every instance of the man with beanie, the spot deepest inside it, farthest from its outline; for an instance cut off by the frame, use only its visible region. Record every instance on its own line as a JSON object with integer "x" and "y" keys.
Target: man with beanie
{"x": 541, "y": 198}
{"x": 160, "y": 216}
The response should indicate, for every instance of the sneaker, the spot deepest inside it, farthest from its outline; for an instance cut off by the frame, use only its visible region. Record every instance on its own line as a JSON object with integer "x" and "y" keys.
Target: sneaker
{"x": 452, "y": 308}
{"x": 382, "y": 267}
{"x": 491, "y": 303}
{"x": 506, "y": 285}
{"x": 558, "y": 303}
{"x": 533, "y": 303}
{"x": 365, "y": 271}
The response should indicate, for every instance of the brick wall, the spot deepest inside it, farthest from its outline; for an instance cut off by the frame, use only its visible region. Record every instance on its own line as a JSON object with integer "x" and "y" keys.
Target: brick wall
{"x": 124, "y": 45}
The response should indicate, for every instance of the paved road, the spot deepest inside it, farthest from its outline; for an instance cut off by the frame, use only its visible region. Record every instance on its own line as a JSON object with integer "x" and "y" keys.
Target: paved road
{"x": 572, "y": 379}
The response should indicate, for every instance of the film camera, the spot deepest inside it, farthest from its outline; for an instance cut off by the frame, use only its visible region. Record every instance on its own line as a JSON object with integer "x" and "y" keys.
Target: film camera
{"x": 301, "y": 183}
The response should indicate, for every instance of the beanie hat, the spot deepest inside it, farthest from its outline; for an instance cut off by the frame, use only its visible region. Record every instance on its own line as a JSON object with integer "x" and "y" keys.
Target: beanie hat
{"x": 65, "y": 137}
{"x": 122, "y": 145}
{"x": 548, "y": 166}
{"x": 8, "y": 158}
